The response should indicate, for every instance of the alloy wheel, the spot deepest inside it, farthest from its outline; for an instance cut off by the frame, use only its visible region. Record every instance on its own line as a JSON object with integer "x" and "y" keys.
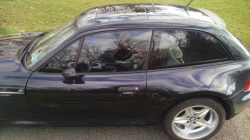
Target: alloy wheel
{"x": 195, "y": 122}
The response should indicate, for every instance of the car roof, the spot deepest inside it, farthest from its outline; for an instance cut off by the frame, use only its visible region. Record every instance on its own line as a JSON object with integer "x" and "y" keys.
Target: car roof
{"x": 140, "y": 12}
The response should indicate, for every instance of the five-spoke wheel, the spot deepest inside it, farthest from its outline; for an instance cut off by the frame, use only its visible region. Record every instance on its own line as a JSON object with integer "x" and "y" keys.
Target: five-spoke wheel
{"x": 195, "y": 122}
{"x": 197, "y": 118}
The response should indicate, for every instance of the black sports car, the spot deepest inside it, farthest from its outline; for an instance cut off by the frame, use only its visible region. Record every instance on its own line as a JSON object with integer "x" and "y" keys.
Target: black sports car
{"x": 131, "y": 64}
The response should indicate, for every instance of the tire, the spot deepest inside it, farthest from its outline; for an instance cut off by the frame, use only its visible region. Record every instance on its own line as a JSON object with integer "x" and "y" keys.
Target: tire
{"x": 175, "y": 125}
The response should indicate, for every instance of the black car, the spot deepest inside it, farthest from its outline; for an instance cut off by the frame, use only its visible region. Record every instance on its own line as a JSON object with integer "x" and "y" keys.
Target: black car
{"x": 130, "y": 64}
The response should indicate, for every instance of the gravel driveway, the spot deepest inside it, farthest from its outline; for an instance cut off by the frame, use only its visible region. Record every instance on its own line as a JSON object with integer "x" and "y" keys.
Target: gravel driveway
{"x": 236, "y": 129}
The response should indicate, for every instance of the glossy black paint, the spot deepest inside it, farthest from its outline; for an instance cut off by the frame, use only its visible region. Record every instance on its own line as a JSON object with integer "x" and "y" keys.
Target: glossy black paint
{"x": 97, "y": 96}
{"x": 132, "y": 12}
{"x": 13, "y": 75}
{"x": 221, "y": 80}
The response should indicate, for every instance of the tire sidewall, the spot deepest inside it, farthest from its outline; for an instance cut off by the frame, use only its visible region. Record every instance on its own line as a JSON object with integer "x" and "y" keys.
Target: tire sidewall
{"x": 167, "y": 120}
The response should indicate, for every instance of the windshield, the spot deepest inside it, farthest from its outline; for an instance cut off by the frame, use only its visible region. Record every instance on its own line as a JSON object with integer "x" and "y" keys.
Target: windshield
{"x": 50, "y": 42}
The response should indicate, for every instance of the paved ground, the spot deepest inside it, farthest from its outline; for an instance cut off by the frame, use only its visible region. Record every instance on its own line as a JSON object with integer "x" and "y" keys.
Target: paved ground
{"x": 235, "y": 129}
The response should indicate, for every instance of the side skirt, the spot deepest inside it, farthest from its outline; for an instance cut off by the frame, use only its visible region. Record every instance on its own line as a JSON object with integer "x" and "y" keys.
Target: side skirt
{"x": 74, "y": 122}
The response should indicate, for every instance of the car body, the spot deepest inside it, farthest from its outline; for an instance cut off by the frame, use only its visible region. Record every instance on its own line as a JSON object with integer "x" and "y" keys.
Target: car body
{"x": 140, "y": 96}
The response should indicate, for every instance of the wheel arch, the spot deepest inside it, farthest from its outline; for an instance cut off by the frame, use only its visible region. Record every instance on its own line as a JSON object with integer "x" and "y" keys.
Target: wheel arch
{"x": 226, "y": 104}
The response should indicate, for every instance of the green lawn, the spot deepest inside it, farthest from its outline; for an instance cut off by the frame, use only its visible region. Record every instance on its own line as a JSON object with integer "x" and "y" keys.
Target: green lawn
{"x": 30, "y": 15}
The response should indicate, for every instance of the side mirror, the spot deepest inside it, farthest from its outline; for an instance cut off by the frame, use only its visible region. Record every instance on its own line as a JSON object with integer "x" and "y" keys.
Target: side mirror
{"x": 69, "y": 74}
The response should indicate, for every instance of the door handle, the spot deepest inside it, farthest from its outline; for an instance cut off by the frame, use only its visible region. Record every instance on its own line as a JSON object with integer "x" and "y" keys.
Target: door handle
{"x": 128, "y": 90}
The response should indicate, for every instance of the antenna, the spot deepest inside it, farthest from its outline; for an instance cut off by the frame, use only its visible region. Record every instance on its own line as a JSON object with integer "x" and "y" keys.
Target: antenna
{"x": 153, "y": 3}
{"x": 186, "y": 8}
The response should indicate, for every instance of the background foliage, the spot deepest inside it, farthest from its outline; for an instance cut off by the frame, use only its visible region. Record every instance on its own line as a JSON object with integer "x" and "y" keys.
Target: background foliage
{"x": 31, "y": 15}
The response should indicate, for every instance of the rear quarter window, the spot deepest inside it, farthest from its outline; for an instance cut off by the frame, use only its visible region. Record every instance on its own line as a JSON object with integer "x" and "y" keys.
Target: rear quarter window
{"x": 179, "y": 48}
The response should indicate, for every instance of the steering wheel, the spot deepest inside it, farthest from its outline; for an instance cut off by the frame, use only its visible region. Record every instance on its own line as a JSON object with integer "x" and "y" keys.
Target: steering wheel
{"x": 84, "y": 66}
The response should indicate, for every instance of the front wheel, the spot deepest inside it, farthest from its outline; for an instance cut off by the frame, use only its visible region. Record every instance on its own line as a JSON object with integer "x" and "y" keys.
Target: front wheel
{"x": 194, "y": 119}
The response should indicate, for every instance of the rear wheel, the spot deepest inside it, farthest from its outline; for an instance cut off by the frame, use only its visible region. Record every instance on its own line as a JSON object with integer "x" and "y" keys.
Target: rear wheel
{"x": 196, "y": 118}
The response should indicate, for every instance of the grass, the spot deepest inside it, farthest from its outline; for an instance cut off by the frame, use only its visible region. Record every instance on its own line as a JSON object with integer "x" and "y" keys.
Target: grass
{"x": 31, "y": 15}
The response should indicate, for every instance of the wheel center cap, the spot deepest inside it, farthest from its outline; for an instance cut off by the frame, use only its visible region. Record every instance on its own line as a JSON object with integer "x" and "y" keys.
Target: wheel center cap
{"x": 192, "y": 118}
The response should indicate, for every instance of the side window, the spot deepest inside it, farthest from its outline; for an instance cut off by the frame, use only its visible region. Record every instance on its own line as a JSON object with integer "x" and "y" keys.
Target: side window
{"x": 114, "y": 51}
{"x": 174, "y": 48}
{"x": 63, "y": 60}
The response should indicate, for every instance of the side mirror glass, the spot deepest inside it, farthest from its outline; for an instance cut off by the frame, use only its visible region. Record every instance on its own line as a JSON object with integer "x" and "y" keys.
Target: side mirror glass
{"x": 69, "y": 74}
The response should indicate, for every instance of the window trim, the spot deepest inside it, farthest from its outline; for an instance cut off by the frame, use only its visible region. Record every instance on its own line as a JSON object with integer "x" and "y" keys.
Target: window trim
{"x": 151, "y": 47}
{"x": 229, "y": 57}
{"x": 79, "y": 52}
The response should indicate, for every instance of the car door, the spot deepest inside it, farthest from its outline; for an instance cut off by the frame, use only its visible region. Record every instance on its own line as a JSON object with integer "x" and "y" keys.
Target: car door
{"x": 111, "y": 79}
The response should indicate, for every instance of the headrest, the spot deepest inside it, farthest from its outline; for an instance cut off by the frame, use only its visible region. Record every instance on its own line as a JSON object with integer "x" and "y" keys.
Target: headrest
{"x": 177, "y": 52}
